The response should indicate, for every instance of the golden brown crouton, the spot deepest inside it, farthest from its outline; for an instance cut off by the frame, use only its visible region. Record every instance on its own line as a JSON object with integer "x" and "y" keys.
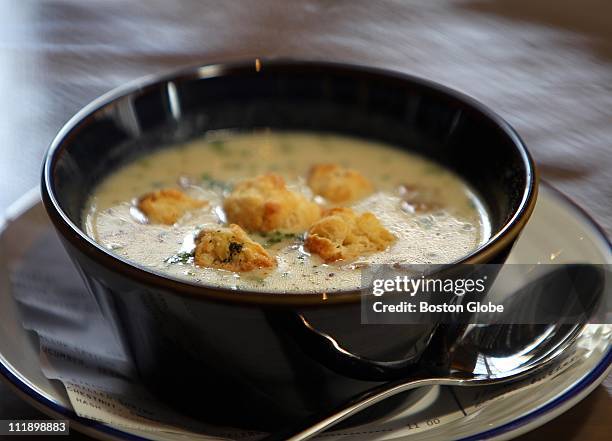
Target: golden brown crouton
{"x": 166, "y": 206}
{"x": 265, "y": 204}
{"x": 230, "y": 249}
{"x": 338, "y": 184}
{"x": 343, "y": 234}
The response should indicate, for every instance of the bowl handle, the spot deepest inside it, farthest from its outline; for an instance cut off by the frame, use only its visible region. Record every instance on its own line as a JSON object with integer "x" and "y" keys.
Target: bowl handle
{"x": 329, "y": 352}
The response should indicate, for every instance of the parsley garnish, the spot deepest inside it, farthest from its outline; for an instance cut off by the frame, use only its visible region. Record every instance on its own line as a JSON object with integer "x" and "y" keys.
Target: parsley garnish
{"x": 181, "y": 258}
{"x": 218, "y": 146}
{"x": 275, "y": 237}
{"x": 234, "y": 248}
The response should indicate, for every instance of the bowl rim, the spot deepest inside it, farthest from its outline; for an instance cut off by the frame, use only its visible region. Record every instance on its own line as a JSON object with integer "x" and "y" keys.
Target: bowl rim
{"x": 68, "y": 230}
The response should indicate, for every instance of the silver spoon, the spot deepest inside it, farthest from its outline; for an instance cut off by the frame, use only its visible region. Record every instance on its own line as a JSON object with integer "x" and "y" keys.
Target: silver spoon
{"x": 484, "y": 355}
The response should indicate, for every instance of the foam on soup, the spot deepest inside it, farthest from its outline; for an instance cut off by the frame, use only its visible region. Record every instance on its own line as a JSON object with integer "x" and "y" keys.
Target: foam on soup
{"x": 435, "y": 215}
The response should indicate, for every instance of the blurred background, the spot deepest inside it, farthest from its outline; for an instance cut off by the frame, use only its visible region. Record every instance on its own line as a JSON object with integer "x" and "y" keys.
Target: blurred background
{"x": 545, "y": 66}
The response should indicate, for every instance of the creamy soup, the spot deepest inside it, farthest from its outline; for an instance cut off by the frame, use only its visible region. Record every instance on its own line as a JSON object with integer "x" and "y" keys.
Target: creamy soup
{"x": 434, "y": 215}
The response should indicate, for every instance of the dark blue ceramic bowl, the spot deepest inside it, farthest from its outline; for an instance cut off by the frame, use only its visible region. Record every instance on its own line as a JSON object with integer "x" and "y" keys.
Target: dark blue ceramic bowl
{"x": 242, "y": 358}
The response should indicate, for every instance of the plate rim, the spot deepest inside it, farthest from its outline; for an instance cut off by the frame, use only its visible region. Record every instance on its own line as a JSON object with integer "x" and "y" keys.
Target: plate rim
{"x": 522, "y": 424}
{"x": 602, "y": 368}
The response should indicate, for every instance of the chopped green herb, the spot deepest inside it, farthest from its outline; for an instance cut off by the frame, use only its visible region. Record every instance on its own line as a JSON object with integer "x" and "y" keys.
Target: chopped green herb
{"x": 180, "y": 258}
{"x": 218, "y": 146}
{"x": 275, "y": 237}
{"x": 234, "y": 248}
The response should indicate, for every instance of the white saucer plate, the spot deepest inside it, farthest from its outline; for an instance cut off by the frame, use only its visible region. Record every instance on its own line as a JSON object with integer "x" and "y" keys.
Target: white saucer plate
{"x": 559, "y": 231}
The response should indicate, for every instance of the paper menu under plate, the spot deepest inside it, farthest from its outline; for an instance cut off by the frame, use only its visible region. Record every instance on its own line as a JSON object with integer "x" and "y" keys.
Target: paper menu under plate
{"x": 80, "y": 349}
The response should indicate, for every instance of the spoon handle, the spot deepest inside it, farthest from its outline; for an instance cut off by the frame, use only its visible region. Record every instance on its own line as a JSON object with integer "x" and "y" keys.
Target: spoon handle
{"x": 312, "y": 426}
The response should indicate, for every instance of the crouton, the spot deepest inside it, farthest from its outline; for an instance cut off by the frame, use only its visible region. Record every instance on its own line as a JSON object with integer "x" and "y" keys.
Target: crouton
{"x": 230, "y": 249}
{"x": 338, "y": 184}
{"x": 168, "y": 205}
{"x": 341, "y": 234}
{"x": 264, "y": 204}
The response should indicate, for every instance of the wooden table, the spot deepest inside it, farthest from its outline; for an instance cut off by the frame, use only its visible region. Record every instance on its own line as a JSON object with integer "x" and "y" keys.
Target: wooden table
{"x": 545, "y": 66}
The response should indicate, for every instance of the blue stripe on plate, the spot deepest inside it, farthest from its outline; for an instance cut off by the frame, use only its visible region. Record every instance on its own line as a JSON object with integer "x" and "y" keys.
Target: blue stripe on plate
{"x": 591, "y": 377}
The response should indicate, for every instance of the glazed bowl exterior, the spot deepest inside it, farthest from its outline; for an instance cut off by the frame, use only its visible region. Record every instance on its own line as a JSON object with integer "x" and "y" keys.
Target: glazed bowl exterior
{"x": 237, "y": 358}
